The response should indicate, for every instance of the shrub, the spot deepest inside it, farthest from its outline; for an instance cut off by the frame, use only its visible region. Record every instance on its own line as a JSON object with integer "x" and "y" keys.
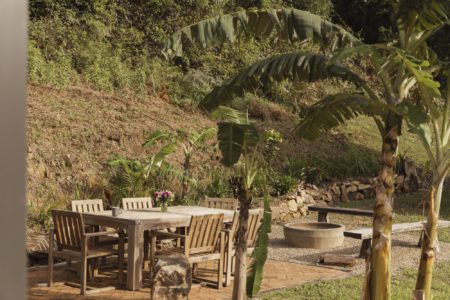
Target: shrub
{"x": 281, "y": 184}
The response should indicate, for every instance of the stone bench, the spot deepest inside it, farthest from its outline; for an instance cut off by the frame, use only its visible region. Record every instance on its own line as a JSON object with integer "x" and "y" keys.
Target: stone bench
{"x": 325, "y": 210}
{"x": 365, "y": 234}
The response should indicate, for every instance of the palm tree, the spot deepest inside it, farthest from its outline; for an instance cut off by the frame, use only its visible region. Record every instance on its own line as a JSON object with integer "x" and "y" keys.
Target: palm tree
{"x": 417, "y": 21}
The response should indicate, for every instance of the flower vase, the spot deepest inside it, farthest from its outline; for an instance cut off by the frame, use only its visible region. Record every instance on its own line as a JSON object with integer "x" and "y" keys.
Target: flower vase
{"x": 163, "y": 206}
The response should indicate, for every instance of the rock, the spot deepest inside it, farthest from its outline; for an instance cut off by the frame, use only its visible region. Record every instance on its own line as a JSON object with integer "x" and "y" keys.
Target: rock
{"x": 359, "y": 196}
{"x": 399, "y": 180}
{"x": 307, "y": 199}
{"x": 321, "y": 203}
{"x": 275, "y": 212}
{"x": 171, "y": 278}
{"x": 299, "y": 200}
{"x": 314, "y": 193}
{"x": 344, "y": 194}
{"x": 338, "y": 259}
{"x": 292, "y": 204}
{"x": 304, "y": 210}
{"x": 352, "y": 188}
{"x": 284, "y": 208}
{"x": 364, "y": 186}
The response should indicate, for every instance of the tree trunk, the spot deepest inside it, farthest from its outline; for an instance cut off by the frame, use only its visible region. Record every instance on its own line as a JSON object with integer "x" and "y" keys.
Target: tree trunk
{"x": 186, "y": 174}
{"x": 378, "y": 272}
{"x": 240, "y": 273}
{"x": 428, "y": 254}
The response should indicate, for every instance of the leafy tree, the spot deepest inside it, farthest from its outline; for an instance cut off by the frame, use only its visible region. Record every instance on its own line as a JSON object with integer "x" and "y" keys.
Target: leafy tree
{"x": 416, "y": 22}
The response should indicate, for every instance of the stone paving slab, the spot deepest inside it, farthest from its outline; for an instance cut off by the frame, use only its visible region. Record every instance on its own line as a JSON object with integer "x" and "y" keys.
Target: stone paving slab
{"x": 277, "y": 275}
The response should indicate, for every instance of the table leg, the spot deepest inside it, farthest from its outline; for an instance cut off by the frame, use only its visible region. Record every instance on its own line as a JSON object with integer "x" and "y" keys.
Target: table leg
{"x": 135, "y": 259}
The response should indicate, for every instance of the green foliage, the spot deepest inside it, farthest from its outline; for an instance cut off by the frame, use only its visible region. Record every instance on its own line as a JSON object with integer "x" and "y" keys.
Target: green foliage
{"x": 288, "y": 24}
{"x": 316, "y": 168}
{"x": 259, "y": 255}
{"x": 218, "y": 184}
{"x": 295, "y": 66}
{"x": 281, "y": 184}
{"x": 39, "y": 211}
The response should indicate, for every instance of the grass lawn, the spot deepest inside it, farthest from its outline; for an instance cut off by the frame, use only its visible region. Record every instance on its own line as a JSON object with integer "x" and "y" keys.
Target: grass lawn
{"x": 350, "y": 288}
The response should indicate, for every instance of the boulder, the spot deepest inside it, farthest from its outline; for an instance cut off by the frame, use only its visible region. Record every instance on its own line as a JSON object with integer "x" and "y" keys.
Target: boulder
{"x": 171, "y": 278}
{"x": 359, "y": 196}
{"x": 344, "y": 194}
{"x": 399, "y": 180}
{"x": 292, "y": 204}
{"x": 304, "y": 210}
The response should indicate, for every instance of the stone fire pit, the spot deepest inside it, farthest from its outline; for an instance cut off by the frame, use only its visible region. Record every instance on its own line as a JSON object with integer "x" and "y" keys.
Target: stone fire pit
{"x": 314, "y": 235}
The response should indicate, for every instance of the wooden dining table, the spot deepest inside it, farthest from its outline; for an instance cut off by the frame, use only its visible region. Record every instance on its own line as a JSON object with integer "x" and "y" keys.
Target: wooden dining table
{"x": 135, "y": 222}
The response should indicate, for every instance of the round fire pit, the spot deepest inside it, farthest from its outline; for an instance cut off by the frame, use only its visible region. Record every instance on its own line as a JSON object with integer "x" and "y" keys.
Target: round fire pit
{"x": 314, "y": 235}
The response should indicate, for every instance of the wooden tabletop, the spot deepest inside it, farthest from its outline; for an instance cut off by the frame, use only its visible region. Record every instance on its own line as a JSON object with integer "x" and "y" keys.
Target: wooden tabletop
{"x": 154, "y": 218}
{"x": 197, "y": 211}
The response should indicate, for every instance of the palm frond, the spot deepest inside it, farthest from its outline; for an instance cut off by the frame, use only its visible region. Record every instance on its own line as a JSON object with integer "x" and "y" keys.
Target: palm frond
{"x": 231, "y": 141}
{"x": 156, "y": 136}
{"x": 334, "y": 110}
{"x": 294, "y": 66}
{"x": 287, "y": 24}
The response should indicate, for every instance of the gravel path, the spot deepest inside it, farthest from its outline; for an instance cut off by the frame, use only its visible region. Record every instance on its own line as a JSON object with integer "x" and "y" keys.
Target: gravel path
{"x": 404, "y": 252}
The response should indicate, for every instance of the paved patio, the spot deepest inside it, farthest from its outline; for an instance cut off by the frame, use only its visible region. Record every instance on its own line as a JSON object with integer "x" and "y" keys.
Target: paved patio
{"x": 277, "y": 275}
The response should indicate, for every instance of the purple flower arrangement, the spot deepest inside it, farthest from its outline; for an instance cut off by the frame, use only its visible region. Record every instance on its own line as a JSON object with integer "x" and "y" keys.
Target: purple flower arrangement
{"x": 164, "y": 198}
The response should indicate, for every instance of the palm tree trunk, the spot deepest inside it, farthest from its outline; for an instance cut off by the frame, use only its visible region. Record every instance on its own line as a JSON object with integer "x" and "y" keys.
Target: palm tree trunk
{"x": 428, "y": 254}
{"x": 378, "y": 271}
{"x": 240, "y": 273}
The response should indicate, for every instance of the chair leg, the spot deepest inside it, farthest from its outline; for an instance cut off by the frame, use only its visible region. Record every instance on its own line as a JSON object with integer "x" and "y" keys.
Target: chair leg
{"x": 83, "y": 276}
{"x": 121, "y": 258}
{"x": 228, "y": 270}
{"x": 146, "y": 249}
{"x": 222, "y": 254}
{"x": 50, "y": 261}
{"x": 95, "y": 265}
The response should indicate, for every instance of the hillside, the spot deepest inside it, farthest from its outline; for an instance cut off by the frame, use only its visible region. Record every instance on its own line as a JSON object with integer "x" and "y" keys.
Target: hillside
{"x": 98, "y": 86}
{"x": 72, "y": 133}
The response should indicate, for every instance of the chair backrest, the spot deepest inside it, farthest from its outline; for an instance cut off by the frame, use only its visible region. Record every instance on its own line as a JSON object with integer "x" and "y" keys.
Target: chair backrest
{"x": 254, "y": 222}
{"x": 204, "y": 233}
{"x": 222, "y": 203}
{"x": 137, "y": 203}
{"x": 69, "y": 229}
{"x": 91, "y": 205}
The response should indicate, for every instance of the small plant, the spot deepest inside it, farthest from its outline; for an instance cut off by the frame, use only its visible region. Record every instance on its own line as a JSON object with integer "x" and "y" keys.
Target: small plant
{"x": 281, "y": 184}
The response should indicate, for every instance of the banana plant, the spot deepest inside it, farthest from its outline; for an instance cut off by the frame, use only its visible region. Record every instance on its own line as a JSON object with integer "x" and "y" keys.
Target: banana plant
{"x": 429, "y": 120}
{"x": 240, "y": 144}
{"x": 190, "y": 144}
{"x": 417, "y": 21}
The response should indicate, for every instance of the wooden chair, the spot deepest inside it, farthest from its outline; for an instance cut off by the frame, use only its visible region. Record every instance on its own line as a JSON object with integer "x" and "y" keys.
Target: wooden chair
{"x": 94, "y": 205}
{"x": 91, "y": 205}
{"x": 140, "y": 203}
{"x": 137, "y": 203}
{"x": 204, "y": 241}
{"x": 74, "y": 243}
{"x": 254, "y": 222}
{"x": 222, "y": 203}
